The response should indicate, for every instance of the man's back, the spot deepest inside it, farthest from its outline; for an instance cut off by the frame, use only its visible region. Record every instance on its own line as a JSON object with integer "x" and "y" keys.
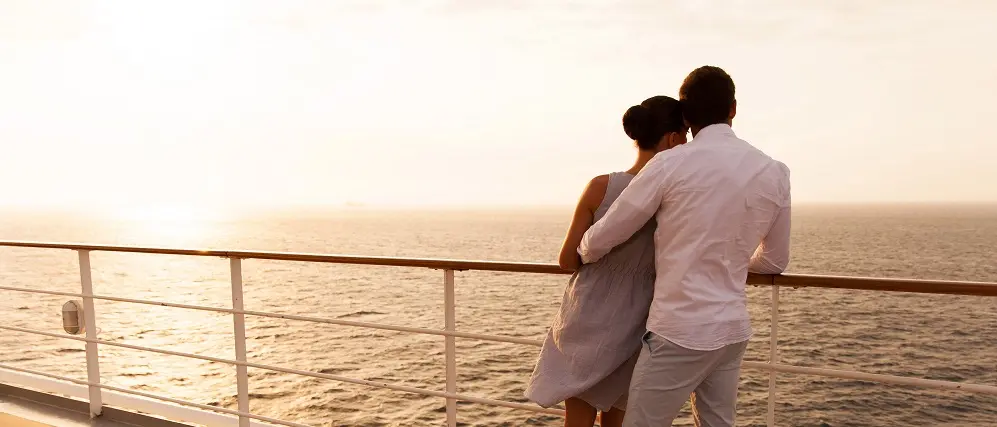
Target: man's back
{"x": 719, "y": 199}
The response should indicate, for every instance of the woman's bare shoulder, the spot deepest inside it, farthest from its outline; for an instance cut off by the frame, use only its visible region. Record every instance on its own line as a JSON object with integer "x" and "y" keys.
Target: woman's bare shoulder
{"x": 595, "y": 192}
{"x": 601, "y": 181}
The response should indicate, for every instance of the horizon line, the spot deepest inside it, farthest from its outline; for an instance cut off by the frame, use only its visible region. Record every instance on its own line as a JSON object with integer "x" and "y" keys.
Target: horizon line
{"x": 402, "y": 206}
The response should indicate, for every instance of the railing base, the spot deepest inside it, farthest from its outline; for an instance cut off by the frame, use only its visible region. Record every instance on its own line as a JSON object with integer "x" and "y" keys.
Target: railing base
{"x": 51, "y": 409}
{"x": 68, "y": 400}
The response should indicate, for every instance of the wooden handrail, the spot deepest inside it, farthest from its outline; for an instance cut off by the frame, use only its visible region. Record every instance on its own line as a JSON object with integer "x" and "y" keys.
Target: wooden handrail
{"x": 439, "y": 264}
{"x": 788, "y": 280}
{"x": 949, "y": 287}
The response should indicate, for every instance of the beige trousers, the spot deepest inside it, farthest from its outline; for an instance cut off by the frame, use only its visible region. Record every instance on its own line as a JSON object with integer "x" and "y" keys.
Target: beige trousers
{"x": 667, "y": 375}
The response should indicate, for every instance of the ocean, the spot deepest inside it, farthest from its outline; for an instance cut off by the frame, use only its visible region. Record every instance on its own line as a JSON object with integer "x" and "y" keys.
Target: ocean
{"x": 939, "y": 337}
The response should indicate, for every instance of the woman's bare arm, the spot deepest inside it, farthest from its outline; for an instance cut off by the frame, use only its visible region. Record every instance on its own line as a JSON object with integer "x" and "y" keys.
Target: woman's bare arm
{"x": 568, "y": 259}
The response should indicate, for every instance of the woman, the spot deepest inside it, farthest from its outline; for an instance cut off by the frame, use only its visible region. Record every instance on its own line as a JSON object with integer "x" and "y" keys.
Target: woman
{"x": 591, "y": 348}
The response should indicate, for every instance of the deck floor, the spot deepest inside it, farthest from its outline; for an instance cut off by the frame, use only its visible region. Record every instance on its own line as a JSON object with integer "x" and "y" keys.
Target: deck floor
{"x": 16, "y": 412}
{"x": 8, "y": 420}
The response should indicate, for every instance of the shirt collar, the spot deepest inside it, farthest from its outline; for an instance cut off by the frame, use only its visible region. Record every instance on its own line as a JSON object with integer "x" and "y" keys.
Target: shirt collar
{"x": 719, "y": 129}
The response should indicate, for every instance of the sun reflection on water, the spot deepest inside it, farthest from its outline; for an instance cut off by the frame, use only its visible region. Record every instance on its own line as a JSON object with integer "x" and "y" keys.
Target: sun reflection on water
{"x": 175, "y": 226}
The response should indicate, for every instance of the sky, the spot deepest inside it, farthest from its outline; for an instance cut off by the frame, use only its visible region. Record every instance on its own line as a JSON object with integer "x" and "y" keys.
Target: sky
{"x": 186, "y": 106}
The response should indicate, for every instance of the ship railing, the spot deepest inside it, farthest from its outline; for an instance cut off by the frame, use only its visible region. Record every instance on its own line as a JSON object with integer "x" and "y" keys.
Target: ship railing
{"x": 449, "y": 332}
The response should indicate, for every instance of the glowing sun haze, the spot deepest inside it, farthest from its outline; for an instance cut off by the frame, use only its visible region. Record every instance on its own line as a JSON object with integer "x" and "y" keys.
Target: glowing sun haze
{"x": 181, "y": 107}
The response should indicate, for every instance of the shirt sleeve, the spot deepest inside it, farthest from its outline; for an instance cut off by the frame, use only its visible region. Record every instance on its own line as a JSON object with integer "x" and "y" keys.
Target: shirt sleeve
{"x": 772, "y": 256}
{"x": 636, "y": 205}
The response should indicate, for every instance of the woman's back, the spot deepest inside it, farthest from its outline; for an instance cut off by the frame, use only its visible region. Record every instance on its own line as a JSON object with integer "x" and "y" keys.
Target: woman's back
{"x": 612, "y": 292}
{"x": 602, "y": 319}
{"x": 637, "y": 253}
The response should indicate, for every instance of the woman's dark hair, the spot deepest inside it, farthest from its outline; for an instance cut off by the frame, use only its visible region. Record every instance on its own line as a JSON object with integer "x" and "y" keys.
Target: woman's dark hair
{"x": 648, "y": 122}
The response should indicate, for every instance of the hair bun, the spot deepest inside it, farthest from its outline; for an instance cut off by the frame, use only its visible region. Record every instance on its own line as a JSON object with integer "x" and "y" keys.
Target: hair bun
{"x": 648, "y": 122}
{"x": 637, "y": 121}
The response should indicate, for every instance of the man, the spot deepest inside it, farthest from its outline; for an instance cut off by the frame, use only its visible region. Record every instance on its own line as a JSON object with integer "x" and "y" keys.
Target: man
{"x": 722, "y": 208}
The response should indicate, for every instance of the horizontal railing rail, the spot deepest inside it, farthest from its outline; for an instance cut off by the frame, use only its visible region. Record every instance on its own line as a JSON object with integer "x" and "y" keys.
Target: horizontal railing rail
{"x": 449, "y": 331}
{"x": 791, "y": 280}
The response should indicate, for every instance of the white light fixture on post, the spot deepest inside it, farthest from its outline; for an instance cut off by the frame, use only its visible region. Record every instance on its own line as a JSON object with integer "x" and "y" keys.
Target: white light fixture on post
{"x": 73, "y": 321}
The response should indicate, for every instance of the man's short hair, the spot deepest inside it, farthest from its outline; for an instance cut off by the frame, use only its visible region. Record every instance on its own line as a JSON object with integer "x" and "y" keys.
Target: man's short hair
{"x": 707, "y": 95}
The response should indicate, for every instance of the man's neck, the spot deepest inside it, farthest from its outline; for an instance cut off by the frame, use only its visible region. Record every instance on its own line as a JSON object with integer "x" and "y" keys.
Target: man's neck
{"x": 695, "y": 130}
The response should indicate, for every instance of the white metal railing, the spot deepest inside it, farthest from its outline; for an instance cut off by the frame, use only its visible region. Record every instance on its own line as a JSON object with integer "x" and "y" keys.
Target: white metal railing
{"x": 449, "y": 331}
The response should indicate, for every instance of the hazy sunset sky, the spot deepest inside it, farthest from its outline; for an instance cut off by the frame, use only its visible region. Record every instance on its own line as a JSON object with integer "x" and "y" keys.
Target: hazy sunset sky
{"x": 175, "y": 105}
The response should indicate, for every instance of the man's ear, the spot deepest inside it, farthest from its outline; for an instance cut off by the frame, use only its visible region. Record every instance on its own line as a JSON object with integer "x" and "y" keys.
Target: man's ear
{"x": 733, "y": 110}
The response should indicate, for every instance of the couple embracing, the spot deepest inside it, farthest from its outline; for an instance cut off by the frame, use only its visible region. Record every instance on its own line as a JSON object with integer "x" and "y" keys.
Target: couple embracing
{"x": 656, "y": 311}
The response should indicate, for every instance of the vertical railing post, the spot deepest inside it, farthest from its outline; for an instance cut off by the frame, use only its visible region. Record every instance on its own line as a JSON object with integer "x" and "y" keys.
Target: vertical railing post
{"x": 450, "y": 325}
{"x": 90, "y": 319}
{"x": 241, "y": 372}
{"x": 773, "y": 352}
